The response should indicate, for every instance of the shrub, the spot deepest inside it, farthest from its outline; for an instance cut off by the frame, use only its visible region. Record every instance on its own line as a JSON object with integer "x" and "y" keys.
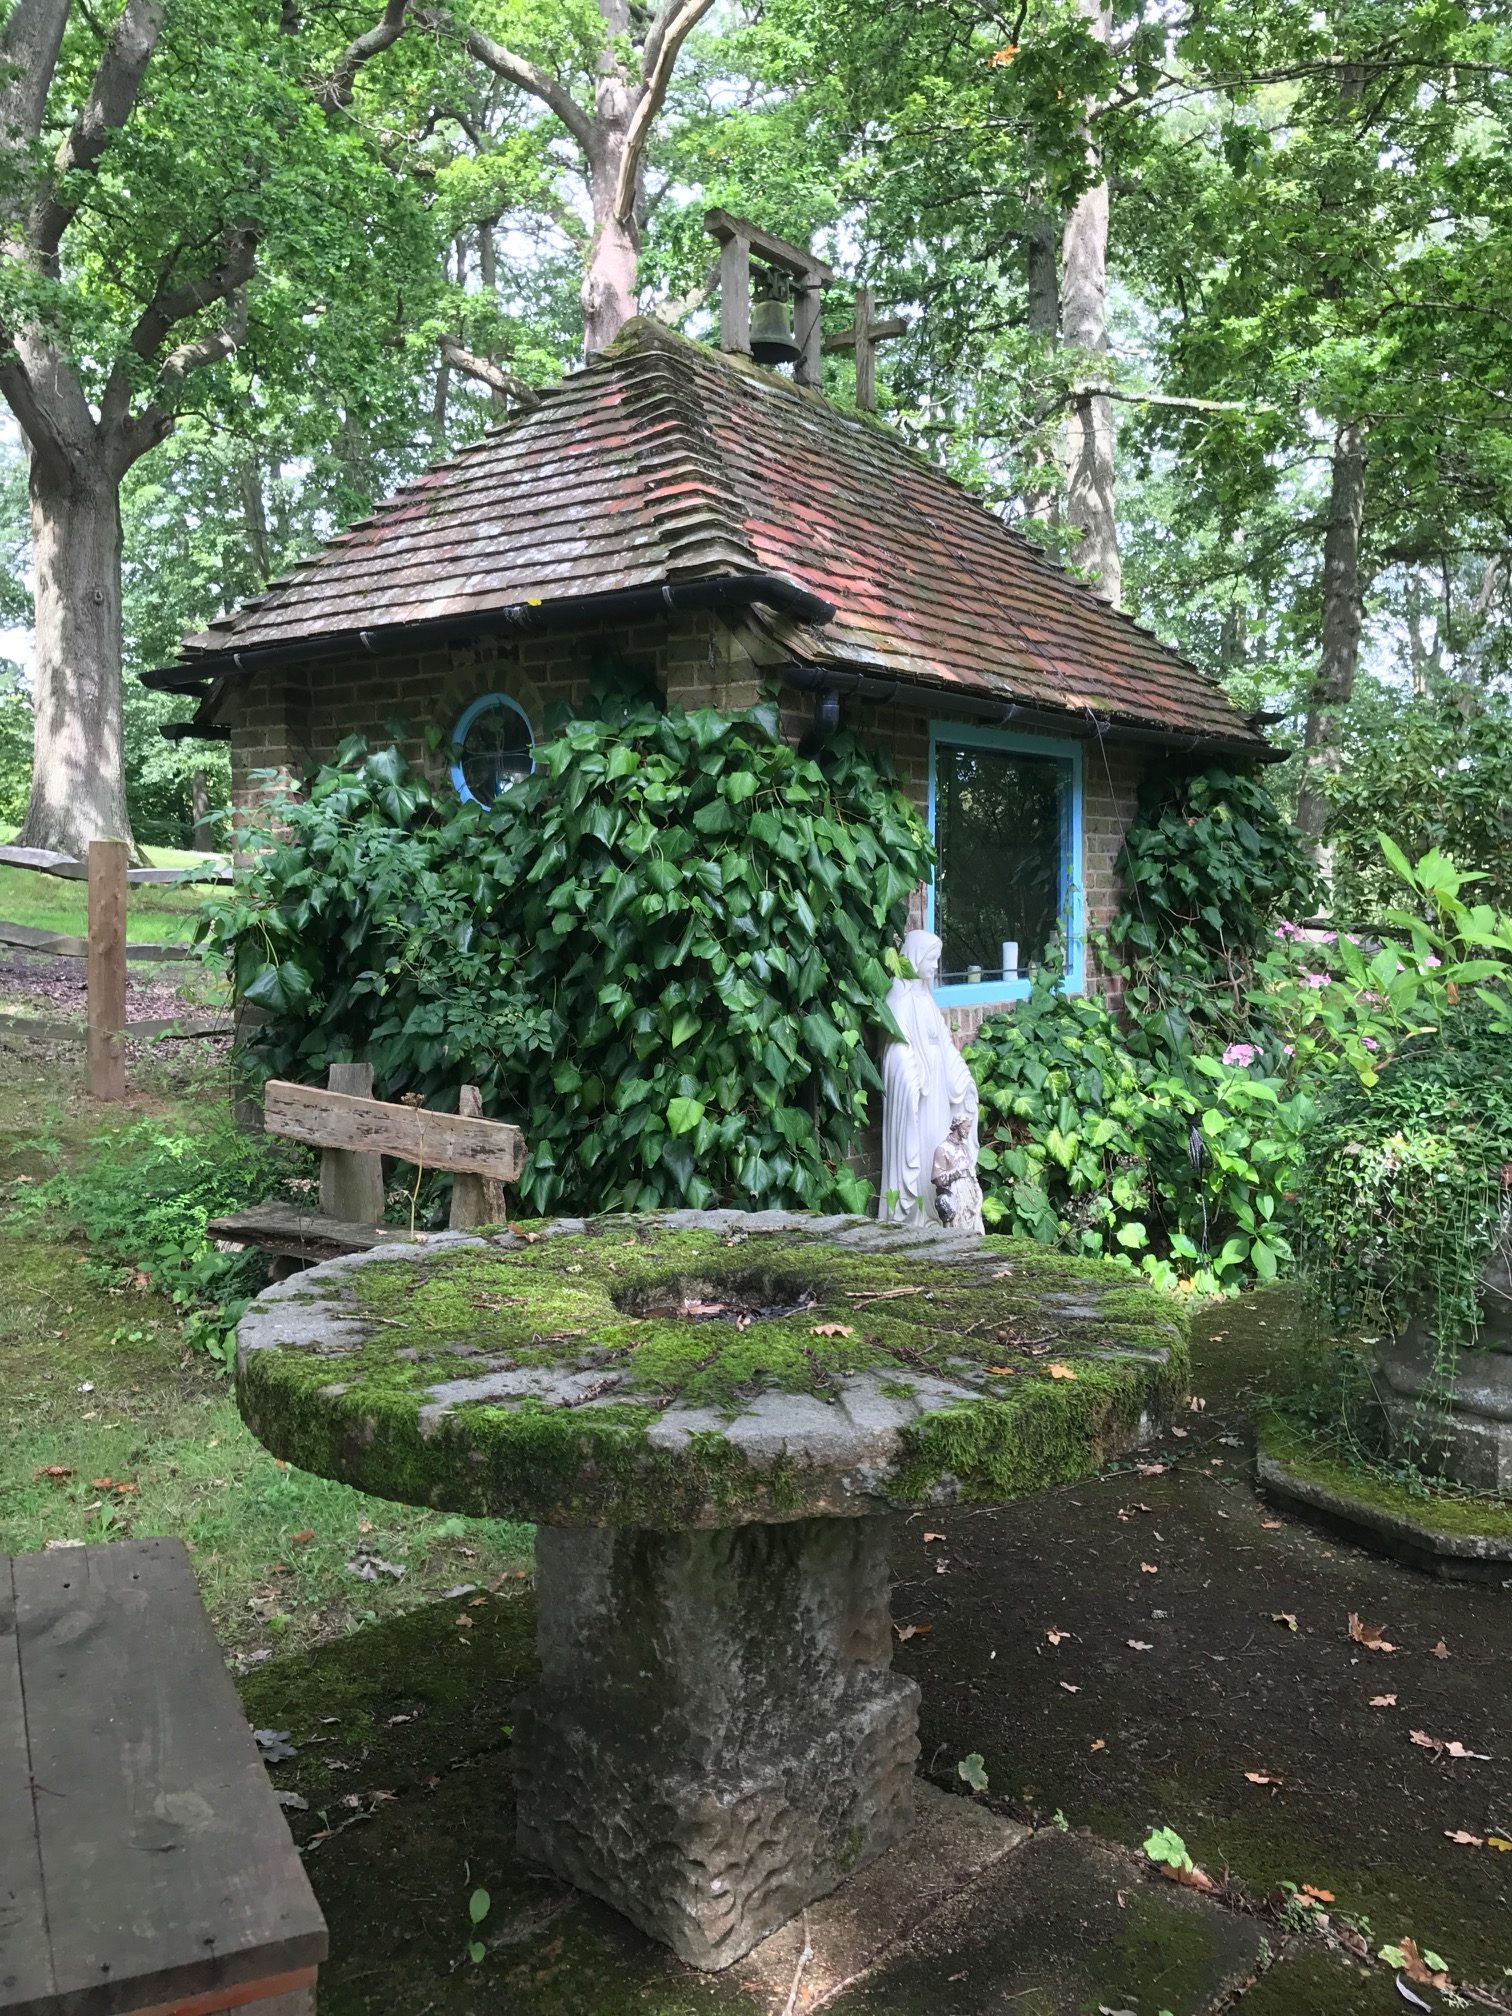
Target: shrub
{"x": 1407, "y": 1191}
{"x": 661, "y": 954}
{"x": 144, "y": 1196}
{"x": 1183, "y": 1167}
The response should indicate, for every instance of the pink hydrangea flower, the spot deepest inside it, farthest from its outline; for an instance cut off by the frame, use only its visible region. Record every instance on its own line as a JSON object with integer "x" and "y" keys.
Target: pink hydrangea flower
{"x": 1286, "y": 929}
{"x": 1240, "y": 1053}
{"x": 1290, "y": 1049}
{"x": 1369, "y": 1043}
{"x": 1315, "y": 979}
{"x": 1433, "y": 960}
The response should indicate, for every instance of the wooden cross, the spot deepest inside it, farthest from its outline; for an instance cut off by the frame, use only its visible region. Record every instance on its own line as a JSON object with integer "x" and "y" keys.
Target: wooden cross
{"x": 863, "y": 337}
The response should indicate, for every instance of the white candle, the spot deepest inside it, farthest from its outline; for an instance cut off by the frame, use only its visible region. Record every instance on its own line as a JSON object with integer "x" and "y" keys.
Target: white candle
{"x": 1010, "y": 959}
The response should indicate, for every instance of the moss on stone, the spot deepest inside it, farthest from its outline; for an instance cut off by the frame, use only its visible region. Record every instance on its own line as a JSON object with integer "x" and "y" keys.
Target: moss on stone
{"x": 1063, "y": 1360}
{"x": 1431, "y": 1509}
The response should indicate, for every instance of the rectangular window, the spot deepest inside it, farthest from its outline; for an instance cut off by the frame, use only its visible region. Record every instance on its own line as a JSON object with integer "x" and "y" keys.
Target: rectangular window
{"x": 1005, "y": 811}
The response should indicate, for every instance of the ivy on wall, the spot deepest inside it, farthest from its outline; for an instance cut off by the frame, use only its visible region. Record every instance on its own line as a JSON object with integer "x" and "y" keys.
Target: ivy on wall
{"x": 662, "y": 954}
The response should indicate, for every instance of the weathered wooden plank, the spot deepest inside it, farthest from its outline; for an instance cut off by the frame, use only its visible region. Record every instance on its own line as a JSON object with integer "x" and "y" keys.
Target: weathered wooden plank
{"x": 414, "y": 1134}
{"x": 25, "y": 1959}
{"x": 304, "y": 1235}
{"x": 45, "y": 862}
{"x": 27, "y": 938}
{"x": 351, "y": 1182}
{"x": 476, "y": 1200}
{"x": 106, "y": 971}
{"x": 795, "y": 259}
{"x": 168, "y": 1868}
{"x": 187, "y": 1026}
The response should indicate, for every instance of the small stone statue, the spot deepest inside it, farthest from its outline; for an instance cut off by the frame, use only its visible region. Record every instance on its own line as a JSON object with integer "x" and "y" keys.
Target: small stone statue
{"x": 929, "y": 1105}
{"x": 958, "y": 1194}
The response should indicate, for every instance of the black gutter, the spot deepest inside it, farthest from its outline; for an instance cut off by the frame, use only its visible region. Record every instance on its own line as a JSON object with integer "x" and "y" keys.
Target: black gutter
{"x": 716, "y": 591}
{"x": 1085, "y": 724}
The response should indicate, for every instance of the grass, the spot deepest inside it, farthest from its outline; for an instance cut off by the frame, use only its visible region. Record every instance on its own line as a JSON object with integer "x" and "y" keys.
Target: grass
{"x": 98, "y": 1383}
{"x": 157, "y": 912}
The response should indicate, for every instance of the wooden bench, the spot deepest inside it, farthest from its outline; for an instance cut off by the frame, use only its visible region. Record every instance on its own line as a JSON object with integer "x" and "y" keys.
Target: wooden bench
{"x": 145, "y": 1866}
{"x": 354, "y": 1131}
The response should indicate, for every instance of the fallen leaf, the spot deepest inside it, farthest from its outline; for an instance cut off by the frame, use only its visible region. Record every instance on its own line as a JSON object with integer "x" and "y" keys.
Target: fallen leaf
{"x": 832, "y": 1330}
{"x": 1464, "y": 1840}
{"x": 1415, "y": 1965}
{"x": 55, "y": 1472}
{"x": 292, "y": 1802}
{"x": 1099, "y": 1744}
{"x": 1138, "y": 1645}
{"x": 928, "y": 1537}
{"x": 1441, "y": 1650}
{"x": 907, "y": 1631}
{"x": 1069, "y": 1688}
{"x": 1440, "y": 1748}
{"x": 1196, "y": 1405}
{"x": 1368, "y": 1635}
{"x": 1318, "y": 1896}
{"x": 1270, "y": 1525}
{"x": 1383, "y": 1700}
{"x": 1054, "y": 1637}
{"x": 1407, "y": 1995}
{"x": 1148, "y": 1568}
{"x": 1152, "y": 1469}
{"x": 275, "y": 1745}
{"x": 1499, "y": 1842}
{"x": 1060, "y": 1371}
{"x": 1181, "y": 1433}
{"x": 465, "y": 1621}
{"x": 1264, "y": 1778}
{"x": 303, "y": 1538}
{"x": 1002, "y": 1371}
{"x": 1285, "y": 1618}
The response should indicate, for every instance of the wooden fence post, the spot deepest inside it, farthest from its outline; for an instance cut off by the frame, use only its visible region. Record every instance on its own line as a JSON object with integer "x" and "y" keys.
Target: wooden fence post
{"x": 106, "y": 971}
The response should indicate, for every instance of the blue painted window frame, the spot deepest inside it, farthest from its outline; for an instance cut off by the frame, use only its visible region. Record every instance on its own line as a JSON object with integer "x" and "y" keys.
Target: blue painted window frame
{"x": 1072, "y": 908}
{"x": 484, "y": 704}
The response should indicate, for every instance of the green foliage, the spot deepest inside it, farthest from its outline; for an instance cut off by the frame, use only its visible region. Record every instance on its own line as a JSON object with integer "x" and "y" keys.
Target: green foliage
{"x": 1166, "y": 1846}
{"x": 1406, "y": 1193}
{"x": 15, "y": 753}
{"x": 661, "y": 954}
{"x": 1435, "y": 772}
{"x": 1209, "y": 865}
{"x": 142, "y": 1198}
{"x": 972, "y": 1771}
{"x": 1178, "y": 1163}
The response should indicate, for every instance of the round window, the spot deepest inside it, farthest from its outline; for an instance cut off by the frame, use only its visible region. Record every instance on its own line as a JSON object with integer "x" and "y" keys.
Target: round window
{"x": 491, "y": 748}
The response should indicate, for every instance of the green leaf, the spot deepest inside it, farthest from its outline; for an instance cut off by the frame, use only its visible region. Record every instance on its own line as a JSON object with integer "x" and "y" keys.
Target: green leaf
{"x": 479, "y": 1906}
{"x": 683, "y": 1115}
{"x": 972, "y": 1770}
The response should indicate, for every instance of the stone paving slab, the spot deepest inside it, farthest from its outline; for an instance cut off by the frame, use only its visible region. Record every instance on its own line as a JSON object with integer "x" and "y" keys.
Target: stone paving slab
{"x": 953, "y": 1843}
{"x": 1064, "y": 1927}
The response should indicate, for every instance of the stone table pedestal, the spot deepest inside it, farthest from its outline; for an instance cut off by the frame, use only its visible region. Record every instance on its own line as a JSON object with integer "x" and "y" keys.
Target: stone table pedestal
{"x": 717, "y": 1736}
{"x": 709, "y": 1417}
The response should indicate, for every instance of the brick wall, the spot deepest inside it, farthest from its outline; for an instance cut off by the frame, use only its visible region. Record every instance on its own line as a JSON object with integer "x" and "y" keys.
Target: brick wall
{"x": 281, "y": 724}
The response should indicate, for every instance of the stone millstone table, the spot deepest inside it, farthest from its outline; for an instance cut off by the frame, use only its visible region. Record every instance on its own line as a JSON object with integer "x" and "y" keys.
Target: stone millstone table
{"x": 709, "y": 1416}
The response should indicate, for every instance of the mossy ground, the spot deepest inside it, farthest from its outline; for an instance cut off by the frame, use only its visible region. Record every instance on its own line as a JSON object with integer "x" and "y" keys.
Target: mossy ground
{"x": 97, "y": 1382}
{"x": 1065, "y": 1357}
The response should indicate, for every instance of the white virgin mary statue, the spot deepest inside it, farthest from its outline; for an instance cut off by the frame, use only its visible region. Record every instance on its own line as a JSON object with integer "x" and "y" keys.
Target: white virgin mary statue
{"x": 926, "y": 1087}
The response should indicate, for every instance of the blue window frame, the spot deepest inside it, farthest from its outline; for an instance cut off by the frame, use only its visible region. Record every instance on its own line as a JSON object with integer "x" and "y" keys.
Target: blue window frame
{"x": 1006, "y": 814}
{"x": 491, "y": 746}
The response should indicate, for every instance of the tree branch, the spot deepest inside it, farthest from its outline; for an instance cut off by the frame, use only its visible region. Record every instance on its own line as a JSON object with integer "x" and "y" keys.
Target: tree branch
{"x": 517, "y": 70}
{"x": 107, "y": 108}
{"x": 335, "y": 90}
{"x": 674, "y": 23}
{"x": 172, "y": 305}
{"x": 488, "y": 373}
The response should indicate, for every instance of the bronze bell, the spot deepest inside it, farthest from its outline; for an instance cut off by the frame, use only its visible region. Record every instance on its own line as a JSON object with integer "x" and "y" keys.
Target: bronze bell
{"x": 772, "y": 339}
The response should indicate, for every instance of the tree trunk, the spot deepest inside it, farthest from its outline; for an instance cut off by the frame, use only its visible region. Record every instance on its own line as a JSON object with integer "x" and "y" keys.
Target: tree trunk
{"x": 613, "y": 260}
{"x": 1084, "y": 327}
{"x": 1042, "y": 279}
{"x": 78, "y": 789}
{"x": 255, "y": 518}
{"x": 1343, "y": 613}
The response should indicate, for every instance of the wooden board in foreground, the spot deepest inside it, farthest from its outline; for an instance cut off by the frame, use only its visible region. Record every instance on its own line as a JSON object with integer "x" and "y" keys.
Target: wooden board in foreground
{"x": 169, "y": 1878}
{"x": 412, "y": 1133}
{"x": 27, "y": 938}
{"x": 45, "y": 862}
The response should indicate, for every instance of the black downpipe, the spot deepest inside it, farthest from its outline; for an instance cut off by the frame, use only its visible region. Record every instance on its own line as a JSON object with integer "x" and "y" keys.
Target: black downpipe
{"x": 822, "y": 729}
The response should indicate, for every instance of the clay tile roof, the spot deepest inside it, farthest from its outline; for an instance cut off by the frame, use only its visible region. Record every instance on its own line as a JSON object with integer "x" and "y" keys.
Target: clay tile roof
{"x": 664, "y": 461}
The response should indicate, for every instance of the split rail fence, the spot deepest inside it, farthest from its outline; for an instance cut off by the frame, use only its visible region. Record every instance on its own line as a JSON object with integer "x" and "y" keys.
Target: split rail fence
{"x": 105, "y": 951}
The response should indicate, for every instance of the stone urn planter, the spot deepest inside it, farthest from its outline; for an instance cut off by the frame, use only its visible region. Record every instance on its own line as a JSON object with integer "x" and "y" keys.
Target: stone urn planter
{"x": 710, "y": 1418}
{"x": 1459, "y": 1426}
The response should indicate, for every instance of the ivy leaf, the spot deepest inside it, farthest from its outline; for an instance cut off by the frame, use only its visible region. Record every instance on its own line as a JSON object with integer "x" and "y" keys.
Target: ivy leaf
{"x": 683, "y": 1115}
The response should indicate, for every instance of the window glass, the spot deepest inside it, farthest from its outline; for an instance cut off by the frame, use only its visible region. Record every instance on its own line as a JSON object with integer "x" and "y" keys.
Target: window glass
{"x": 491, "y": 748}
{"x": 1001, "y": 821}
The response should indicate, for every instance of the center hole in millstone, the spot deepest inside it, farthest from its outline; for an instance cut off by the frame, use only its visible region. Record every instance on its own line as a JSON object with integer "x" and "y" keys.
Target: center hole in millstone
{"x": 753, "y": 1298}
